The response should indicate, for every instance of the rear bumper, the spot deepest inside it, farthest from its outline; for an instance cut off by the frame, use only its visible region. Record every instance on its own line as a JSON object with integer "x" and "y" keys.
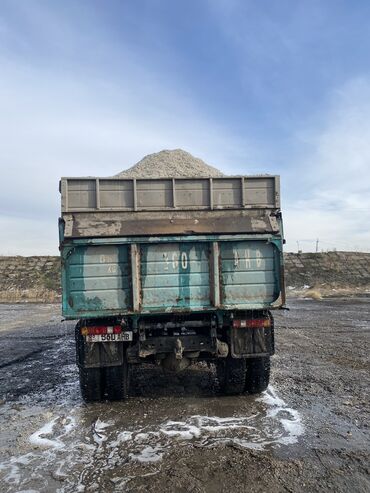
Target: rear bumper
{"x": 197, "y": 338}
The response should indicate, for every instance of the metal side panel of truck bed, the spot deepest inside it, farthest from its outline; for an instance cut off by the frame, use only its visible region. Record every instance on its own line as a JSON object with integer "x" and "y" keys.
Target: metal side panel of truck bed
{"x": 119, "y": 207}
{"x": 138, "y": 275}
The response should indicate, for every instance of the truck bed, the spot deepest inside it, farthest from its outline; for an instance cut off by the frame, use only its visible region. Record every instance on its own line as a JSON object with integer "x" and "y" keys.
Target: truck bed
{"x": 137, "y": 246}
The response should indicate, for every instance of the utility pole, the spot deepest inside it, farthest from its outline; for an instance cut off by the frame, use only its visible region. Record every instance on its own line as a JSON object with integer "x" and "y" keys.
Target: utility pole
{"x": 317, "y": 245}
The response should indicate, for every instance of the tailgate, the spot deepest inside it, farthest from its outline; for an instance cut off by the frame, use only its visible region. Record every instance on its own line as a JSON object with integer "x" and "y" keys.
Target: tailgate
{"x": 168, "y": 275}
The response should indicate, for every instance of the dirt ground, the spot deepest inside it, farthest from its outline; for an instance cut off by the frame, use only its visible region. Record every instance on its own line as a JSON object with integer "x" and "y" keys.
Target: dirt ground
{"x": 308, "y": 432}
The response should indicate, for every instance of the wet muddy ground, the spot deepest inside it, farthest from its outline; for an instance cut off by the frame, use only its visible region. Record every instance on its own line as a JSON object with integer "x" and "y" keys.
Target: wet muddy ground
{"x": 308, "y": 432}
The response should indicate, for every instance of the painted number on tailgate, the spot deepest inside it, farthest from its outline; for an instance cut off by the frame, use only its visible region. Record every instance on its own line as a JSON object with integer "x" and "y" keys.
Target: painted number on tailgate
{"x": 177, "y": 260}
{"x": 247, "y": 260}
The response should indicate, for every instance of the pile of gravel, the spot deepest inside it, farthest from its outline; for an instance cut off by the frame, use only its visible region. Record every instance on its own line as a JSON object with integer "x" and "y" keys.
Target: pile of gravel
{"x": 168, "y": 164}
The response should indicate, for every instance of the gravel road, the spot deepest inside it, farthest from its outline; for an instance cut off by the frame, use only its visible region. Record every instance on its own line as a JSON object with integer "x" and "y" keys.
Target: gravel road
{"x": 308, "y": 432}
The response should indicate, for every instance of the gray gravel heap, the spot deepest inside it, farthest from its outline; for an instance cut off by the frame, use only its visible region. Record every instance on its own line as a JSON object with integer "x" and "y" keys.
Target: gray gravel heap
{"x": 170, "y": 163}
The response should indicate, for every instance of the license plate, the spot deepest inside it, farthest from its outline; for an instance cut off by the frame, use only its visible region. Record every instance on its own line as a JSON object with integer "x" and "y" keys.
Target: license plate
{"x": 122, "y": 337}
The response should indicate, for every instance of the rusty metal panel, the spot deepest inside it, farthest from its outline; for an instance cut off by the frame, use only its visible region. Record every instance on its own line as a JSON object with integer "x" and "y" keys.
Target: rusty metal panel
{"x": 227, "y": 193}
{"x": 154, "y": 194}
{"x": 175, "y": 275}
{"x": 259, "y": 191}
{"x": 192, "y": 193}
{"x": 81, "y": 194}
{"x": 249, "y": 273}
{"x": 108, "y": 276}
{"x": 96, "y": 279}
{"x": 135, "y": 276}
{"x": 116, "y": 194}
{"x": 215, "y": 273}
{"x": 123, "y": 194}
{"x": 104, "y": 224}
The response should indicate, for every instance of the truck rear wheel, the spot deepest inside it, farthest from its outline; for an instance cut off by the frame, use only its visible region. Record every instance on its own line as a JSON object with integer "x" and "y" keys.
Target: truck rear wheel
{"x": 231, "y": 374}
{"x": 110, "y": 383}
{"x": 116, "y": 382}
{"x": 257, "y": 375}
{"x": 91, "y": 384}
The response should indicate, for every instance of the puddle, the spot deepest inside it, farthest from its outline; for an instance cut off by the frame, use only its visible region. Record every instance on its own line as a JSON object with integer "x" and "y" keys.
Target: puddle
{"x": 68, "y": 444}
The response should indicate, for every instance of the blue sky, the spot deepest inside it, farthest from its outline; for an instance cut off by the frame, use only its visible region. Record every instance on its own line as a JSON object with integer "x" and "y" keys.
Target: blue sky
{"x": 90, "y": 87}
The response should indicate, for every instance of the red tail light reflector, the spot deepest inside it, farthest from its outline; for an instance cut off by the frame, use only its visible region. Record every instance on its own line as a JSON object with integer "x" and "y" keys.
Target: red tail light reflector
{"x": 101, "y": 329}
{"x": 252, "y": 323}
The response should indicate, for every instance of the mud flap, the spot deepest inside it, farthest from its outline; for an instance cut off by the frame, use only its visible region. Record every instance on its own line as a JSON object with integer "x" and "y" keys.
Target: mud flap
{"x": 102, "y": 354}
{"x": 98, "y": 354}
{"x": 251, "y": 342}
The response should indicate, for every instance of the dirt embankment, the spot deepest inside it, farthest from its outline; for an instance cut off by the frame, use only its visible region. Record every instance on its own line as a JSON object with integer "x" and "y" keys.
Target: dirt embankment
{"x": 29, "y": 279}
{"x": 327, "y": 274}
{"x": 307, "y": 274}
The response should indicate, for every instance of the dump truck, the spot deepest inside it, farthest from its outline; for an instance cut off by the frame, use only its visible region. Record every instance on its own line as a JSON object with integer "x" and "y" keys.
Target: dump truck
{"x": 170, "y": 272}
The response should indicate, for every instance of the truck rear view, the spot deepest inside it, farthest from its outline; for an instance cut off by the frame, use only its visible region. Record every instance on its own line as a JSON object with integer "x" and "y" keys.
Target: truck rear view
{"x": 172, "y": 271}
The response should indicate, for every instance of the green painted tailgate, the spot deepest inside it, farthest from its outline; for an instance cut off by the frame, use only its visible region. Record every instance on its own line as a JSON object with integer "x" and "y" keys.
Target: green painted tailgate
{"x": 97, "y": 278}
{"x": 175, "y": 275}
{"x": 165, "y": 274}
{"x": 248, "y": 272}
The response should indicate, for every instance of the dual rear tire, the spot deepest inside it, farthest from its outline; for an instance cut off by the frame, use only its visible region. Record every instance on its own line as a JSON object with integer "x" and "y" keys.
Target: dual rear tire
{"x": 109, "y": 383}
{"x": 235, "y": 376}
{"x": 238, "y": 375}
{"x": 257, "y": 376}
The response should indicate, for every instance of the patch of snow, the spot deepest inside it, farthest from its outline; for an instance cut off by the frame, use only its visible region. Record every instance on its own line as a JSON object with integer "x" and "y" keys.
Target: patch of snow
{"x": 39, "y": 439}
{"x": 180, "y": 429}
{"x": 148, "y": 454}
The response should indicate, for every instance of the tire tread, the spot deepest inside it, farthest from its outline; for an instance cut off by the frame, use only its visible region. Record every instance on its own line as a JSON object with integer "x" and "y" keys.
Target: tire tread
{"x": 231, "y": 375}
{"x": 257, "y": 375}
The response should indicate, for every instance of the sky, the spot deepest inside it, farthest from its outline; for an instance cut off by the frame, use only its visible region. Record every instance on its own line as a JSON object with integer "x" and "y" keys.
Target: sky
{"x": 283, "y": 87}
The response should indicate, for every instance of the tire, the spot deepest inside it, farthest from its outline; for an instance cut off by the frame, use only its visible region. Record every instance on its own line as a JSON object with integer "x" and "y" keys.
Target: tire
{"x": 231, "y": 373}
{"x": 116, "y": 382}
{"x": 91, "y": 384}
{"x": 257, "y": 375}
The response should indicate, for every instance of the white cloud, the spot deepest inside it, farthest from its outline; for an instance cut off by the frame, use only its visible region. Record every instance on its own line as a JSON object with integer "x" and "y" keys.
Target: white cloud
{"x": 334, "y": 178}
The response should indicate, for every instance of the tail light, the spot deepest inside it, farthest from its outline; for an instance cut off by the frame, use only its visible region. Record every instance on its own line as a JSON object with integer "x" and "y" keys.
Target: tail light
{"x": 100, "y": 330}
{"x": 252, "y": 323}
